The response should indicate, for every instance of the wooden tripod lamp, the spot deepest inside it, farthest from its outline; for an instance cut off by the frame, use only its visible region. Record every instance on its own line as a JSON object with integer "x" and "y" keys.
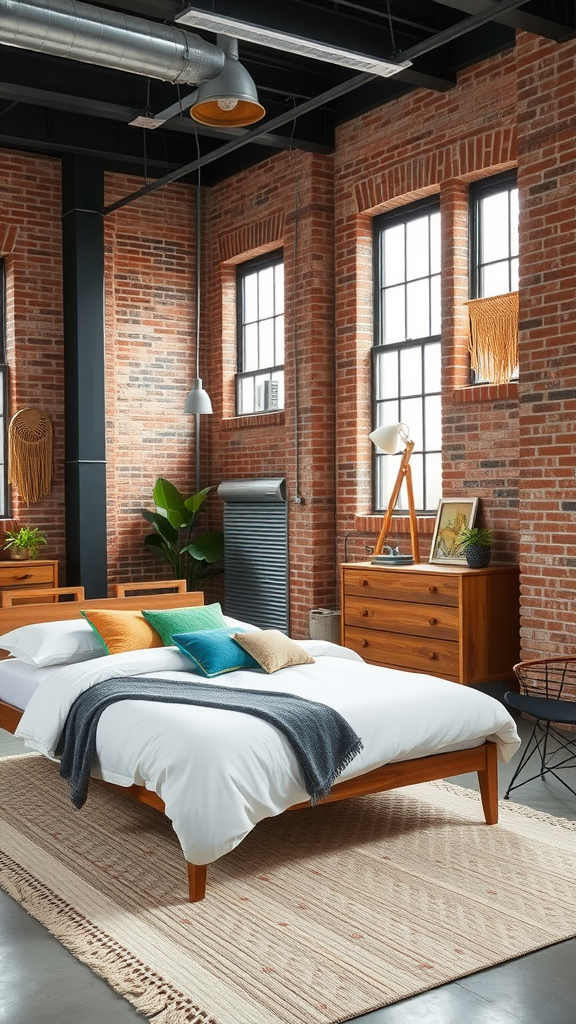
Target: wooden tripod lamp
{"x": 389, "y": 439}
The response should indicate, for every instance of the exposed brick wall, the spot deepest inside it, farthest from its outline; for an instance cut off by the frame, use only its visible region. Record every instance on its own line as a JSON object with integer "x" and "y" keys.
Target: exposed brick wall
{"x": 547, "y": 176}
{"x": 30, "y": 242}
{"x": 150, "y": 338}
{"x": 511, "y": 446}
{"x": 286, "y": 201}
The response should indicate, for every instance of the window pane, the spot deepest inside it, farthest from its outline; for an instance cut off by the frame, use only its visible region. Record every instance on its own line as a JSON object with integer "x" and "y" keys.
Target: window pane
{"x": 279, "y": 340}
{"x": 250, "y": 347}
{"x": 247, "y": 394}
{"x": 411, "y": 371}
{"x": 394, "y": 315}
{"x": 495, "y": 279}
{"x": 266, "y": 292}
{"x": 411, "y": 415}
{"x": 250, "y": 294}
{"x": 514, "y": 218}
{"x": 266, "y": 343}
{"x": 393, "y": 258}
{"x": 417, "y": 259}
{"x": 433, "y": 422}
{"x": 432, "y": 355}
{"x": 386, "y": 382}
{"x": 279, "y": 378}
{"x": 494, "y": 228}
{"x": 279, "y": 288}
{"x": 416, "y": 470}
{"x": 435, "y": 249}
{"x": 514, "y": 275}
{"x": 433, "y": 467}
{"x": 435, "y": 306}
{"x": 418, "y": 303}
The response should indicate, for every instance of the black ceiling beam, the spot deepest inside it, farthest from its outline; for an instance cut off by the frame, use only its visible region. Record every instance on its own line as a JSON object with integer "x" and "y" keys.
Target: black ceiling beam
{"x": 160, "y": 10}
{"x": 447, "y": 35}
{"x": 537, "y": 18}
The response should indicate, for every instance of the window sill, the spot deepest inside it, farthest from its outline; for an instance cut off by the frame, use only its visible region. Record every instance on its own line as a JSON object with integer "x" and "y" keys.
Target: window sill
{"x": 400, "y": 524}
{"x": 486, "y": 393}
{"x": 259, "y": 419}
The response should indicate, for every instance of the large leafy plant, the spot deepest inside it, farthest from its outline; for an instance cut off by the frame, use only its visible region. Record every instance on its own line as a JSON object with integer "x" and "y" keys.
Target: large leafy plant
{"x": 191, "y": 556}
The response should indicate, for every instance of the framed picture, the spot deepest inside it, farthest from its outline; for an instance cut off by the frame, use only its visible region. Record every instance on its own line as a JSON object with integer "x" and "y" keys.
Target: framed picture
{"x": 452, "y": 515}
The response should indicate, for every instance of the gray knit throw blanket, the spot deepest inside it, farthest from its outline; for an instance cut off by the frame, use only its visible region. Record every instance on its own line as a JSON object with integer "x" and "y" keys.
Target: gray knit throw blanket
{"x": 323, "y": 742}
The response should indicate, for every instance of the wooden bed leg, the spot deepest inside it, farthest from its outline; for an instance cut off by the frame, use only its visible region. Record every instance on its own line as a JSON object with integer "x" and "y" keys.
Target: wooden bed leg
{"x": 488, "y": 780}
{"x": 196, "y": 882}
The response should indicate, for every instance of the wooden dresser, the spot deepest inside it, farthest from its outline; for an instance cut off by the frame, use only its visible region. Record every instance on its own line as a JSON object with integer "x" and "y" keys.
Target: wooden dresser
{"x": 34, "y": 573}
{"x": 445, "y": 620}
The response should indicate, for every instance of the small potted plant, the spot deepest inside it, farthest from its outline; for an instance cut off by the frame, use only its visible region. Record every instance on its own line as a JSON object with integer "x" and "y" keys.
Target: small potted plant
{"x": 25, "y": 542}
{"x": 477, "y": 544}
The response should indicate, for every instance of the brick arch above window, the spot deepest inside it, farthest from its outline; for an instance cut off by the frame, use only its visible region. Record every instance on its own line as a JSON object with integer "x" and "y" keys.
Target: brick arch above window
{"x": 253, "y": 239}
{"x": 8, "y": 235}
{"x": 423, "y": 175}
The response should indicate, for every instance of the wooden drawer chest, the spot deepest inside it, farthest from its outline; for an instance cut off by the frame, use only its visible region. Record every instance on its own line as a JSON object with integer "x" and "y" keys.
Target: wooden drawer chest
{"x": 450, "y": 621}
{"x": 17, "y": 575}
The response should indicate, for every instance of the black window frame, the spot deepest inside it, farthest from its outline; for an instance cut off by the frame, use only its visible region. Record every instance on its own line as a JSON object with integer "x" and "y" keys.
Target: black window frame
{"x": 272, "y": 259}
{"x": 478, "y": 191}
{"x": 413, "y": 211}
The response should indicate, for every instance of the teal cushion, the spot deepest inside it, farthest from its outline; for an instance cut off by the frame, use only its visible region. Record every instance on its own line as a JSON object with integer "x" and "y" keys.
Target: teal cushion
{"x": 213, "y": 651}
{"x": 185, "y": 620}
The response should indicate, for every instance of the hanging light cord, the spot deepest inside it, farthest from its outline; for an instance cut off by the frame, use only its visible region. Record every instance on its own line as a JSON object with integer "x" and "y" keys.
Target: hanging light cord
{"x": 198, "y": 276}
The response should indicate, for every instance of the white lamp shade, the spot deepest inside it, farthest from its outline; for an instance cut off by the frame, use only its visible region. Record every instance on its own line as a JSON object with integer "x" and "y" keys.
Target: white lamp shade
{"x": 388, "y": 438}
{"x": 197, "y": 401}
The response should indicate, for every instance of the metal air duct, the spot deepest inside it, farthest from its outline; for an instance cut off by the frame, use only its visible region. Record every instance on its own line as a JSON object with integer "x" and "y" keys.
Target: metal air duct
{"x": 111, "y": 40}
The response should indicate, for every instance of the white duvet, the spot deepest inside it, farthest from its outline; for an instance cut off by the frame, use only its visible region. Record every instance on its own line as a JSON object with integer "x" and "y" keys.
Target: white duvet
{"x": 221, "y": 772}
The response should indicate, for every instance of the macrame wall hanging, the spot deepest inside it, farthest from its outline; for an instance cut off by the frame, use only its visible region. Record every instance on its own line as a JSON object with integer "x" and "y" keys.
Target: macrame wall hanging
{"x": 494, "y": 337}
{"x": 30, "y": 454}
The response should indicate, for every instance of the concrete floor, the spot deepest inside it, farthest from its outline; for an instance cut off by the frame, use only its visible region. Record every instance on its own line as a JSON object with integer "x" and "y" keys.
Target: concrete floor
{"x": 42, "y": 983}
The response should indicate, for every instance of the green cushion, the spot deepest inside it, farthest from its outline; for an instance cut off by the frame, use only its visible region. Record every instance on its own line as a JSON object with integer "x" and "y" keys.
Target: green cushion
{"x": 213, "y": 651}
{"x": 185, "y": 620}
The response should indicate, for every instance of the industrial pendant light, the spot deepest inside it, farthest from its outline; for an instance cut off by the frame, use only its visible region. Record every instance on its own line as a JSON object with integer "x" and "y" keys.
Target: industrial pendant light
{"x": 230, "y": 100}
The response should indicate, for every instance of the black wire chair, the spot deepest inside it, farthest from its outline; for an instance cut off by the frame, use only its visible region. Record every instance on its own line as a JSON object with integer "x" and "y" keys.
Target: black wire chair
{"x": 547, "y": 694}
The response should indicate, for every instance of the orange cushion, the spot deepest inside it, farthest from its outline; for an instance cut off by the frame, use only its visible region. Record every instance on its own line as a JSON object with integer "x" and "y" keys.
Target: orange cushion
{"x": 122, "y": 631}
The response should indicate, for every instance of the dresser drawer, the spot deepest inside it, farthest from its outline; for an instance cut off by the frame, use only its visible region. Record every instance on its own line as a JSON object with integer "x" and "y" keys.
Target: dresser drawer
{"x": 27, "y": 575}
{"x": 402, "y": 586}
{"x": 434, "y": 657}
{"x": 440, "y": 621}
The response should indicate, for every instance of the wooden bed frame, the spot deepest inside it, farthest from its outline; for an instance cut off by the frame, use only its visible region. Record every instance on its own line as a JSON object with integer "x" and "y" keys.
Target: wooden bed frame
{"x": 482, "y": 759}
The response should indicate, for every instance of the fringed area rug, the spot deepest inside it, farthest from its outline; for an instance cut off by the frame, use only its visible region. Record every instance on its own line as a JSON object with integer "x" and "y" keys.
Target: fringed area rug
{"x": 318, "y": 916}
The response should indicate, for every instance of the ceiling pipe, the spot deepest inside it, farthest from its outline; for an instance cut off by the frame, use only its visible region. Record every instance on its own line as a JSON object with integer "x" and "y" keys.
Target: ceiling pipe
{"x": 78, "y": 31}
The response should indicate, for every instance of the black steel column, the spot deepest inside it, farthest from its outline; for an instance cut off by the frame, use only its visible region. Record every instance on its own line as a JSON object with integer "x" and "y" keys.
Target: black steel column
{"x": 84, "y": 380}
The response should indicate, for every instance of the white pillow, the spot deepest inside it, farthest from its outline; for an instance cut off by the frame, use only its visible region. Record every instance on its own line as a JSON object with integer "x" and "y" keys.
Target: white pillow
{"x": 53, "y": 643}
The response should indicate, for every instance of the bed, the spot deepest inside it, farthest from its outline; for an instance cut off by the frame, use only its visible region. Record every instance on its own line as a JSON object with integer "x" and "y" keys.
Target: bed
{"x": 217, "y": 773}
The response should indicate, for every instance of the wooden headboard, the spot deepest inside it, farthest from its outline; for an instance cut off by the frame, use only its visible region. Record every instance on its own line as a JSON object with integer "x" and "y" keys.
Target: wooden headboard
{"x": 25, "y": 614}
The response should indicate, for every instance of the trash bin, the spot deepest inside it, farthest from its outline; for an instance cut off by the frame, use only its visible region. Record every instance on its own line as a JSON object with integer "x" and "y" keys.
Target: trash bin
{"x": 325, "y": 624}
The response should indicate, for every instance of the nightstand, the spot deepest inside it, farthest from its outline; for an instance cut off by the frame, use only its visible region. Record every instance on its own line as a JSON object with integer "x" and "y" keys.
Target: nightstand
{"x": 36, "y": 572}
{"x": 444, "y": 620}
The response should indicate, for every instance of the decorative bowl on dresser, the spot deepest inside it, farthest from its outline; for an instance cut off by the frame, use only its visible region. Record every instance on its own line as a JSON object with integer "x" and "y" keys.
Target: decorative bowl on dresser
{"x": 444, "y": 620}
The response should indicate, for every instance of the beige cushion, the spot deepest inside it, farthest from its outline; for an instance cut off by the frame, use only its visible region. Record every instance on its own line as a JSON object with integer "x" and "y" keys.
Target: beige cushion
{"x": 273, "y": 650}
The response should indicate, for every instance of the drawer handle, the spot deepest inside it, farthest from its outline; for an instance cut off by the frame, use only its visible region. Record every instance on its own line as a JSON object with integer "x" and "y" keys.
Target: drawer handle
{"x": 364, "y": 643}
{"x": 363, "y": 583}
{"x": 432, "y": 655}
{"x": 364, "y": 612}
{"x": 432, "y": 589}
{"x": 24, "y": 576}
{"x": 432, "y": 621}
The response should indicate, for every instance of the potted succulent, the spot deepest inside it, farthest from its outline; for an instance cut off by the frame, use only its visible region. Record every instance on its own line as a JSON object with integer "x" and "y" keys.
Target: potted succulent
{"x": 24, "y": 542}
{"x": 477, "y": 544}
